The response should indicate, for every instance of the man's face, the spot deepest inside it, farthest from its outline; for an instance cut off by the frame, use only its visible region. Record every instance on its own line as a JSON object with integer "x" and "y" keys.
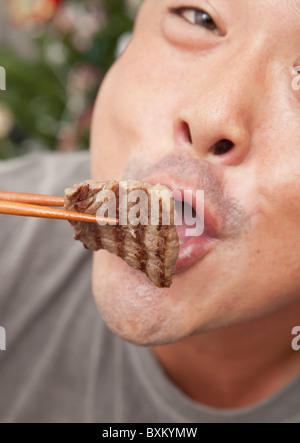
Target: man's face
{"x": 188, "y": 81}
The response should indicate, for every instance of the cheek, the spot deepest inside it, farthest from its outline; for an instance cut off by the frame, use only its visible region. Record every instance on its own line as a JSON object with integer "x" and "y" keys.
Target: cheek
{"x": 278, "y": 192}
{"x": 134, "y": 112}
{"x": 270, "y": 270}
{"x": 108, "y": 146}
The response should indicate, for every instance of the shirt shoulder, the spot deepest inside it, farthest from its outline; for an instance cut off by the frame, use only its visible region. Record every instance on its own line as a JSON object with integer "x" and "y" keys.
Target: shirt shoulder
{"x": 44, "y": 172}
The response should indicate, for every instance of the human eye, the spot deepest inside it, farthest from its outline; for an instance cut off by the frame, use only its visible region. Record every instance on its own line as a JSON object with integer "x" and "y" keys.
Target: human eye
{"x": 197, "y": 17}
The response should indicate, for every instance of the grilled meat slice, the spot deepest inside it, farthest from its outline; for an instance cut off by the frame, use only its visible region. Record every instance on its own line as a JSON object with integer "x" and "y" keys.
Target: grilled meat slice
{"x": 146, "y": 237}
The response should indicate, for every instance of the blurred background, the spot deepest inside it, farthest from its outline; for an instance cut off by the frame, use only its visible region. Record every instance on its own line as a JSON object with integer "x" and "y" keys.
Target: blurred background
{"x": 56, "y": 53}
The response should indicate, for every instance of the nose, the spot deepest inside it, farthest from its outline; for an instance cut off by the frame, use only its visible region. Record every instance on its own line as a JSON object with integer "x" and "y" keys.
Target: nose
{"x": 218, "y": 120}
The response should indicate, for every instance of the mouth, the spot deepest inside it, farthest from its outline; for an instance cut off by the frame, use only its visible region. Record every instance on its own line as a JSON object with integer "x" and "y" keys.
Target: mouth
{"x": 194, "y": 240}
{"x": 196, "y": 224}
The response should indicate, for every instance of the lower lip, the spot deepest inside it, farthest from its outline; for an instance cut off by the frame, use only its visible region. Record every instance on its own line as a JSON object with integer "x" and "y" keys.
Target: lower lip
{"x": 192, "y": 250}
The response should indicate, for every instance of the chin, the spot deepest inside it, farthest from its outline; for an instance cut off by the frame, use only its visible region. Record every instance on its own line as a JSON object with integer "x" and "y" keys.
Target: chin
{"x": 197, "y": 303}
{"x": 139, "y": 312}
{"x": 132, "y": 307}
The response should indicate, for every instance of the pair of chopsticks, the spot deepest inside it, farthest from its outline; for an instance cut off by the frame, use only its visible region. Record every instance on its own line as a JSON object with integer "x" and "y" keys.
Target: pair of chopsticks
{"x": 37, "y": 205}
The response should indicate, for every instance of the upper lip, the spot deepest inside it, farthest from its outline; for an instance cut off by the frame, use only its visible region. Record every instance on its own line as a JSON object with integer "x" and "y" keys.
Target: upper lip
{"x": 212, "y": 222}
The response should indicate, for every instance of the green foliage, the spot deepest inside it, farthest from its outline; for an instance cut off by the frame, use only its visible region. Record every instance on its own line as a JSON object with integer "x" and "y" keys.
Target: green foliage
{"x": 32, "y": 90}
{"x": 38, "y": 91}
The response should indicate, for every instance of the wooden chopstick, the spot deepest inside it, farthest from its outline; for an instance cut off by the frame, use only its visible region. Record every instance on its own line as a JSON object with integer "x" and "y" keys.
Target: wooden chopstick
{"x": 33, "y": 199}
{"x": 28, "y": 210}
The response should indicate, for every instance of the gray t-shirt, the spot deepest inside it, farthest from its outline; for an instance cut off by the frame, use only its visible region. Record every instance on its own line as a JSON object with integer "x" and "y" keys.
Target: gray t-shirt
{"x": 61, "y": 363}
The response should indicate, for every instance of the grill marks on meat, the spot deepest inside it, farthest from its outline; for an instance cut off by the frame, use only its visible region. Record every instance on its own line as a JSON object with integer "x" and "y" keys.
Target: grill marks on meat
{"x": 118, "y": 230}
{"x": 152, "y": 249}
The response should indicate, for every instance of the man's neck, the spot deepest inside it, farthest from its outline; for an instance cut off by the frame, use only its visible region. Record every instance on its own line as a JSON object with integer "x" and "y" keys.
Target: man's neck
{"x": 237, "y": 366}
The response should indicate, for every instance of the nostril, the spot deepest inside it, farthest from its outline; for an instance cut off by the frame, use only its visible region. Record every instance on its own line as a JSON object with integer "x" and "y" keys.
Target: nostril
{"x": 187, "y": 132}
{"x": 182, "y": 133}
{"x": 222, "y": 147}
